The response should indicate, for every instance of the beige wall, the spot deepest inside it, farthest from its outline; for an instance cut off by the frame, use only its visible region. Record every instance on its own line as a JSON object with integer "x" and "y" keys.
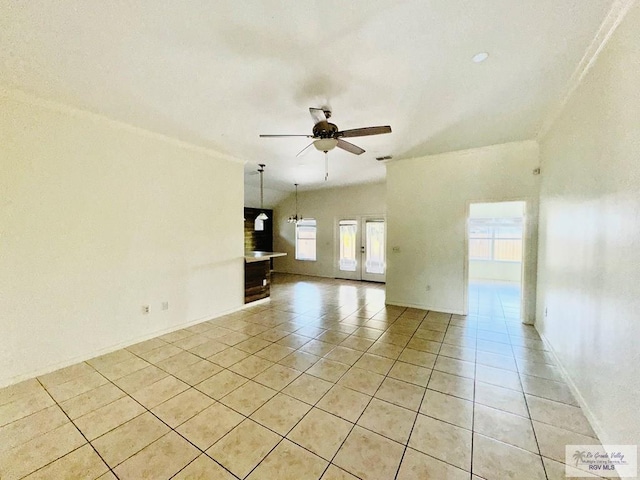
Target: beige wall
{"x": 325, "y": 205}
{"x": 589, "y": 259}
{"x": 427, "y": 207}
{"x": 96, "y": 220}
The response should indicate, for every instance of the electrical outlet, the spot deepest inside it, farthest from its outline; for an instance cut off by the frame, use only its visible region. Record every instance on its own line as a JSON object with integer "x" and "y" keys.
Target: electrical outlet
{"x": 165, "y": 305}
{"x": 428, "y": 288}
{"x": 146, "y": 309}
{"x": 395, "y": 249}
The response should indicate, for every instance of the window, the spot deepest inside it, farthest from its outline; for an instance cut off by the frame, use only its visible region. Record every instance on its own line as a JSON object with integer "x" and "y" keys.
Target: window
{"x": 306, "y": 239}
{"x": 498, "y": 239}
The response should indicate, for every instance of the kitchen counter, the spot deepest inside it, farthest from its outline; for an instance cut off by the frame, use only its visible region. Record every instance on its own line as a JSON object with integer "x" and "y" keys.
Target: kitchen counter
{"x": 257, "y": 275}
{"x": 250, "y": 257}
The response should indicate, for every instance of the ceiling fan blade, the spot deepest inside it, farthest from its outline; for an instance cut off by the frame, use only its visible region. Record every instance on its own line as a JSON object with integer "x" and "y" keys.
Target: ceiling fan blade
{"x": 304, "y": 150}
{"x": 280, "y": 136}
{"x": 317, "y": 114}
{"x": 349, "y": 147}
{"x": 361, "y": 132}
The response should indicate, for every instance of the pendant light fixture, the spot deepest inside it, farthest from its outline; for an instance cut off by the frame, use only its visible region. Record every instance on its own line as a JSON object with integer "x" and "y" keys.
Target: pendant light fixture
{"x": 259, "y": 223}
{"x": 295, "y": 218}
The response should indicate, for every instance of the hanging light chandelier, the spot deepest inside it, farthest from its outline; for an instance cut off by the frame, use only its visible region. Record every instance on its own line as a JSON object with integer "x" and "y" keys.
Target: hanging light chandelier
{"x": 259, "y": 222}
{"x": 295, "y": 218}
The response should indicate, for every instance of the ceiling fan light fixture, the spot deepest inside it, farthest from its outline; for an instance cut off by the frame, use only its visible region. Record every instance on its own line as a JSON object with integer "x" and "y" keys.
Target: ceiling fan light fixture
{"x": 325, "y": 144}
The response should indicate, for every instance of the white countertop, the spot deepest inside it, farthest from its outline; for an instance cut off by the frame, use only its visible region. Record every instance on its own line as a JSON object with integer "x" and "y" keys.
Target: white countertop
{"x": 250, "y": 257}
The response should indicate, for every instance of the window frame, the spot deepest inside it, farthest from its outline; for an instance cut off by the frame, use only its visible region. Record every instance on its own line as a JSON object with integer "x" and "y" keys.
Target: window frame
{"x": 306, "y": 223}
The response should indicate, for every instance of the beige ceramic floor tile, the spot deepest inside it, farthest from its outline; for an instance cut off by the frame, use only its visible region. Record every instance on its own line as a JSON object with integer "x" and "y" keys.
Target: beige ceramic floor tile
{"x": 159, "y": 392}
{"x": 321, "y": 433}
{"x": 248, "y": 398}
{"x": 178, "y": 362}
{"x": 361, "y": 380}
{"x": 208, "y": 348}
{"x": 251, "y": 366}
{"x": 20, "y": 390}
{"x": 424, "y": 345}
{"x": 228, "y": 357}
{"x": 87, "y": 402}
{"x": 461, "y": 353}
{"x": 344, "y": 355}
{"x": 506, "y": 362}
{"x": 451, "y": 385}
{"x": 275, "y": 352}
{"x": 129, "y": 438}
{"x": 244, "y": 447}
{"x": 385, "y": 350}
{"x": 448, "y": 408}
{"x": 107, "y": 476}
{"x": 401, "y": 393}
{"x": 357, "y": 343}
{"x": 28, "y": 457}
{"x": 552, "y": 440}
{"x": 374, "y": 363}
{"x": 288, "y": 461}
{"x": 33, "y": 426}
{"x": 410, "y": 373}
{"x": 443, "y": 441}
{"x": 369, "y": 455}
{"x": 198, "y": 372}
{"x": 182, "y": 407}
{"x": 162, "y": 459}
{"x": 501, "y": 398}
{"x": 316, "y": 347}
{"x": 498, "y": 376}
{"x": 418, "y": 466}
{"x": 210, "y": 425}
{"x": 559, "y": 415}
{"x": 121, "y": 369}
{"x": 106, "y": 418}
{"x": 277, "y": 376}
{"x": 559, "y": 471}
{"x": 281, "y": 413}
{"x": 416, "y": 357}
{"x": 140, "y": 379}
{"x": 203, "y": 468}
{"x": 389, "y": 420}
{"x": 506, "y": 427}
{"x": 308, "y": 388}
{"x": 65, "y": 374}
{"x": 159, "y": 354}
{"x": 335, "y": 473}
{"x": 344, "y": 403}
{"x": 293, "y": 341}
{"x": 221, "y": 384}
{"x": 328, "y": 370}
{"x": 552, "y": 390}
{"x": 495, "y": 460}
{"x": 300, "y": 361}
{"x": 455, "y": 367}
{"x": 76, "y": 386}
{"x": 146, "y": 346}
{"x": 79, "y": 464}
{"x": 252, "y": 345}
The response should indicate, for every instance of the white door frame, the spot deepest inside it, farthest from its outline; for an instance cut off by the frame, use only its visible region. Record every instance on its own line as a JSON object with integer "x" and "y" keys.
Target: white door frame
{"x": 529, "y": 255}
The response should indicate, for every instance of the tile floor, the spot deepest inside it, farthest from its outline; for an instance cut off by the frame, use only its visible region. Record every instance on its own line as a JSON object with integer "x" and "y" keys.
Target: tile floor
{"x": 323, "y": 381}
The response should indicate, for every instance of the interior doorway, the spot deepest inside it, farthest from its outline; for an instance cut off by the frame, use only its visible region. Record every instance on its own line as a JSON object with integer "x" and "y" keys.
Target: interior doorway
{"x": 495, "y": 259}
{"x": 361, "y": 247}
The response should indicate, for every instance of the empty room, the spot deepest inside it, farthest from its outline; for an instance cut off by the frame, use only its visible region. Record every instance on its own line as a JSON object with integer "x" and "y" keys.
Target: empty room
{"x": 319, "y": 240}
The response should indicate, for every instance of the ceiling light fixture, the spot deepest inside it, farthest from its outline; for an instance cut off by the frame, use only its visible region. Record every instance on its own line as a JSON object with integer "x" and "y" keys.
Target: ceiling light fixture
{"x": 259, "y": 222}
{"x": 295, "y": 218}
{"x": 480, "y": 57}
{"x": 325, "y": 144}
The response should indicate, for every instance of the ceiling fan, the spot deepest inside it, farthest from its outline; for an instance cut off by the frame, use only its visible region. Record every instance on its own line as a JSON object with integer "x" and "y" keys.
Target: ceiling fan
{"x": 326, "y": 135}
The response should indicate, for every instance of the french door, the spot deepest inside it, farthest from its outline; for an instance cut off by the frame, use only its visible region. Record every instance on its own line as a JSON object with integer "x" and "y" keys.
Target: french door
{"x": 361, "y": 244}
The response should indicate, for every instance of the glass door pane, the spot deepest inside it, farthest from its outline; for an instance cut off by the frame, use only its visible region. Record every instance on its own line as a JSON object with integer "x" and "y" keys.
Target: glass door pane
{"x": 374, "y": 260}
{"x": 348, "y": 231}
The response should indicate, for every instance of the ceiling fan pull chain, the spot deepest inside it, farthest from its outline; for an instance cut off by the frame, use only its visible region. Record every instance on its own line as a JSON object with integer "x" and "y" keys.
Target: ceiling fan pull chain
{"x": 326, "y": 166}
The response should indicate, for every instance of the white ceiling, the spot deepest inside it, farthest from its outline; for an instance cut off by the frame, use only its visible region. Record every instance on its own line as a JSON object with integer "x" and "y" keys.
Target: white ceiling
{"x": 219, "y": 73}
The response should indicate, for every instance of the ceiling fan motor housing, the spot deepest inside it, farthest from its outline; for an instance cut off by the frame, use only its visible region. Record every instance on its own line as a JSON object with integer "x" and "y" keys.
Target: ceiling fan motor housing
{"x": 325, "y": 129}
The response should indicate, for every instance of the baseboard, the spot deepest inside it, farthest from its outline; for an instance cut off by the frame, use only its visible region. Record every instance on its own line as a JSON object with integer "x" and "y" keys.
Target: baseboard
{"x": 574, "y": 390}
{"x": 113, "y": 348}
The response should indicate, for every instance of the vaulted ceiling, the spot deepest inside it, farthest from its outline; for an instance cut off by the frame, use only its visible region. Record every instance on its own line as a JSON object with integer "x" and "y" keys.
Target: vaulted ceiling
{"x": 219, "y": 73}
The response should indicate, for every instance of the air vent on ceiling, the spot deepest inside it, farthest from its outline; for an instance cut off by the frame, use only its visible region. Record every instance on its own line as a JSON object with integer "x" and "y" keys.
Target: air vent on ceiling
{"x": 386, "y": 157}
